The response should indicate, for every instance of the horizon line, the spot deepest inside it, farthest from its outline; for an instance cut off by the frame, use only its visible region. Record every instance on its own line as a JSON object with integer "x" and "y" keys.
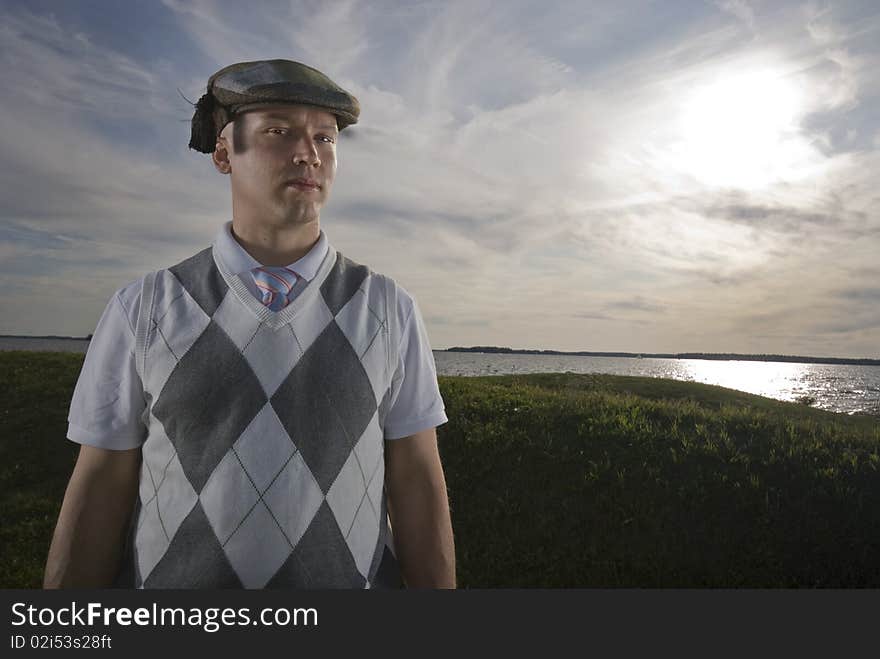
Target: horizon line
{"x": 659, "y": 355}
{"x": 576, "y": 353}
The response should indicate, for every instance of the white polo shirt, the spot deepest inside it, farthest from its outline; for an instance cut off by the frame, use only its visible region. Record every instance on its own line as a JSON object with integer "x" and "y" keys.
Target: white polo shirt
{"x": 108, "y": 402}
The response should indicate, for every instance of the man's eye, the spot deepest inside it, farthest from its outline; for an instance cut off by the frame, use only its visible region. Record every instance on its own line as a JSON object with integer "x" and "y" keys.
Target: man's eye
{"x": 325, "y": 139}
{"x": 278, "y": 131}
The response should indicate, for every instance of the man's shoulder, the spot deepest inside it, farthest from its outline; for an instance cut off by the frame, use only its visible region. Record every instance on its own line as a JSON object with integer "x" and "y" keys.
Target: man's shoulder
{"x": 120, "y": 310}
{"x": 392, "y": 288}
{"x": 129, "y": 297}
{"x": 129, "y": 294}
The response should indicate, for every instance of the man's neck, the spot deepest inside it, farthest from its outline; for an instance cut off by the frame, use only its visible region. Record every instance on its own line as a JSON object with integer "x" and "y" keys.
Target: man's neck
{"x": 276, "y": 246}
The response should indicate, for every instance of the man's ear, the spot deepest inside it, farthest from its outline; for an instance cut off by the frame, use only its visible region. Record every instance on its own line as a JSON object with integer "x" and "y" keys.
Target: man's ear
{"x": 221, "y": 155}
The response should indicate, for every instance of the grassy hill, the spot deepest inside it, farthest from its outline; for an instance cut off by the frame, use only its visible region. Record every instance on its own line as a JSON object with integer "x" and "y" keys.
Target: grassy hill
{"x": 601, "y": 480}
{"x": 560, "y": 480}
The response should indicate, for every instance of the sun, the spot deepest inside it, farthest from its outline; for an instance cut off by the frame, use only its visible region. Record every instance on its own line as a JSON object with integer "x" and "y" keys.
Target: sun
{"x": 742, "y": 130}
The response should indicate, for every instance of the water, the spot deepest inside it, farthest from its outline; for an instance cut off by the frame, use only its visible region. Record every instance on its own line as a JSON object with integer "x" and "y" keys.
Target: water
{"x": 838, "y": 388}
{"x": 50, "y": 345}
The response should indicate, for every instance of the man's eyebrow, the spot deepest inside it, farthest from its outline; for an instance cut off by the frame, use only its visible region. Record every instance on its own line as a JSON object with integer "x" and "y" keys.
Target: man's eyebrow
{"x": 281, "y": 117}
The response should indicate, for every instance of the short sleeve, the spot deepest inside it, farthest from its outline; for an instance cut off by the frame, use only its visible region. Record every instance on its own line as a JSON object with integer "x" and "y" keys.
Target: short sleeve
{"x": 416, "y": 403}
{"x": 108, "y": 402}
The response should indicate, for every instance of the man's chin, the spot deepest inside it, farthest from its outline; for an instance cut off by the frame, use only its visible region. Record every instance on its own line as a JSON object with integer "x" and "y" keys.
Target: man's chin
{"x": 300, "y": 214}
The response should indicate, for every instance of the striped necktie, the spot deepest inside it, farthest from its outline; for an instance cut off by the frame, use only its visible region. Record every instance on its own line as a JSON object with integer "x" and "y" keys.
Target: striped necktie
{"x": 275, "y": 283}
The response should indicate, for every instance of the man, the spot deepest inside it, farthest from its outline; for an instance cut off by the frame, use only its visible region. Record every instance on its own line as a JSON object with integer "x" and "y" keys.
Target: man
{"x": 247, "y": 415}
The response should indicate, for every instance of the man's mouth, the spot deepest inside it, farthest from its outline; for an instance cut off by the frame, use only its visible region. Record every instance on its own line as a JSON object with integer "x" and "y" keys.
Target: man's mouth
{"x": 304, "y": 184}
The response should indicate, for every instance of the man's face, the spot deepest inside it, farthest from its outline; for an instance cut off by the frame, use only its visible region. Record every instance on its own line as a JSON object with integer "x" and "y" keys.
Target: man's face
{"x": 282, "y": 160}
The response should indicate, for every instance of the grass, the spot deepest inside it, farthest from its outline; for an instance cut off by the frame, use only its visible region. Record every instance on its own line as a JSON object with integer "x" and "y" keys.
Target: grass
{"x": 35, "y": 458}
{"x": 559, "y": 480}
{"x": 597, "y": 480}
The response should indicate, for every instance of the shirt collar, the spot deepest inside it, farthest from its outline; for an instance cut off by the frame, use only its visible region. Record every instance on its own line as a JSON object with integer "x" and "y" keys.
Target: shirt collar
{"x": 237, "y": 259}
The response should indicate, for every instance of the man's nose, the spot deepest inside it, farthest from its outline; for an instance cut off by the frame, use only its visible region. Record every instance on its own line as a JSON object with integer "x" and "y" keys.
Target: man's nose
{"x": 305, "y": 151}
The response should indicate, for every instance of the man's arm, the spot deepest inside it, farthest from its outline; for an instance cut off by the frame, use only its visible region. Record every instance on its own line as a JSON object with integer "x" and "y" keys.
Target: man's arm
{"x": 91, "y": 528}
{"x": 419, "y": 510}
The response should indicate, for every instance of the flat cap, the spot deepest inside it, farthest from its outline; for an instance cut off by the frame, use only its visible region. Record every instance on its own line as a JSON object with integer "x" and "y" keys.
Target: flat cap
{"x": 247, "y": 85}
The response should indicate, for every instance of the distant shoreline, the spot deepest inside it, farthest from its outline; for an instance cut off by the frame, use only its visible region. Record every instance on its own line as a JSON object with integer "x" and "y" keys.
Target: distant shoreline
{"x": 30, "y": 336}
{"x": 798, "y": 359}
{"x": 680, "y": 355}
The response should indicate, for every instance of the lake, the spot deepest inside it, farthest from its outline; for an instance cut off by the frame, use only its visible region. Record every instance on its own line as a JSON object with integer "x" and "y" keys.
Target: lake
{"x": 838, "y": 388}
{"x": 835, "y": 387}
{"x": 49, "y": 345}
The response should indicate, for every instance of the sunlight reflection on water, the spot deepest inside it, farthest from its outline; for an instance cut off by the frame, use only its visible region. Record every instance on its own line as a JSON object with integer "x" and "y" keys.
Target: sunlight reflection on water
{"x": 839, "y": 388}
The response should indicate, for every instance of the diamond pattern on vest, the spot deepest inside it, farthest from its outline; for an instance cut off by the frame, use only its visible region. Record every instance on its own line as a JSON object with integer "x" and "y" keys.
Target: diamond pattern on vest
{"x": 155, "y": 463}
{"x": 151, "y": 539}
{"x": 355, "y": 496}
{"x": 342, "y": 283}
{"x": 271, "y": 354}
{"x": 321, "y": 558}
{"x": 175, "y": 309}
{"x": 327, "y": 422}
{"x": 200, "y": 277}
{"x": 209, "y": 399}
{"x": 363, "y": 534}
{"x": 194, "y": 559}
{"x": 264, "y": 448}
{"x": 371, "y": 459}
{"x": 228, "y": 497}
{"x": 307, "y": 327}
{"x": 347, "y": 494}
{"x": 363, "y": 328}
{"x": 175, "y": 497}
{"x": 166, "y": 496}
{"x": 257, "y": 547}
{"x": 240, "y": 327}
{"x": 264, "y": 455}
{"x": 294, "y": 497}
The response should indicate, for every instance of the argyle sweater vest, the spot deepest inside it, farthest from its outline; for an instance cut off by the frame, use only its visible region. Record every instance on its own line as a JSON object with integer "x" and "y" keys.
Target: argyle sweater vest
{"x": 263, "y": 465}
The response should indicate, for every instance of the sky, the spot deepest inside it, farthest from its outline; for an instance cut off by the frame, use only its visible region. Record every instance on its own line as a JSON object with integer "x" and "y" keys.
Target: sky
{"x": 604, "y": 176}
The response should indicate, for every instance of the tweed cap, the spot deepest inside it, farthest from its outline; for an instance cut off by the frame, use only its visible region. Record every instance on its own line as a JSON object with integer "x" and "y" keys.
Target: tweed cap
{"x": 248, "y": 85}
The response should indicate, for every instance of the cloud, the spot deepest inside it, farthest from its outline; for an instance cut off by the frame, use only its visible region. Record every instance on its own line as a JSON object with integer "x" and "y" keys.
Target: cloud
{"x": 332, "y": 33}
{"x": 85, "y": 205}
{"x": 741, "y": 9}
{"x": 869, "y": 294}
{"x": 776, "y": 218}
{"x": 52, "y": 68}
{"x": 848, "y": 324}
{"x": 637, "y": 304}
{"x": 516, "y": 168}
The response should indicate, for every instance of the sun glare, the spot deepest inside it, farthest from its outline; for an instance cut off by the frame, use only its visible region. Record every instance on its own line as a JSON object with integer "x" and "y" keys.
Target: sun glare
{"x": 742, "y": 131}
